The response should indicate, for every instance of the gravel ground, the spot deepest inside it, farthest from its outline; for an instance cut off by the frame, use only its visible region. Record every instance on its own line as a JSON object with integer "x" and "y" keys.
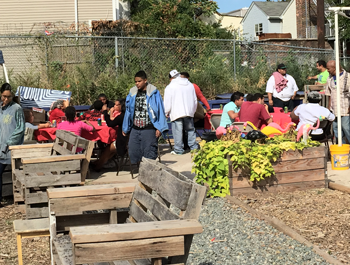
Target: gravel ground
{"x": 232, "y": 236}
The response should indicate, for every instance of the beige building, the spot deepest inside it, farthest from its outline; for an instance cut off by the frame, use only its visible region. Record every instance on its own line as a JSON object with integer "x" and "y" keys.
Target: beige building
{"x": 231, "y": 20}
{"x": 31, "y": 16}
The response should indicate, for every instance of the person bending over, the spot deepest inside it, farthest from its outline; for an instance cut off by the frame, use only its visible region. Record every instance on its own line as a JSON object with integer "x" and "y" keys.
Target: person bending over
{"x": 309, "y": 113}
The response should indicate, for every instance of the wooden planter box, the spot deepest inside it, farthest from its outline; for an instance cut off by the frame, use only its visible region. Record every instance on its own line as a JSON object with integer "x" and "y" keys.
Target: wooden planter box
{"x": 295, "y": 170}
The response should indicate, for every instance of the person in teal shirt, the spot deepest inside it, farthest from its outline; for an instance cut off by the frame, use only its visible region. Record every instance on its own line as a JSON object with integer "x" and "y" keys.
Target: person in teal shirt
{"x": 231, "y": 109}
{"x": 323, "y": 76}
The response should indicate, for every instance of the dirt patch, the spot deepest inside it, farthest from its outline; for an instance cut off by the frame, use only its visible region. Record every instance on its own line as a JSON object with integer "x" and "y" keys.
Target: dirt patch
{"x": 322, "y": 216}
{"x": 35, "y": 250}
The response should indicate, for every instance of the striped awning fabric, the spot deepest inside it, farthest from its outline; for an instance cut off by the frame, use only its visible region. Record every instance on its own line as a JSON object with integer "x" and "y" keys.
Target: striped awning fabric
{"x": 40, "y": 97}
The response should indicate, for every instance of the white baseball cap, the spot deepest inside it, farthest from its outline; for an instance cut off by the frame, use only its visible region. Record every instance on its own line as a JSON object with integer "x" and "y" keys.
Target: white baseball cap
{"x": 174, "y": 73}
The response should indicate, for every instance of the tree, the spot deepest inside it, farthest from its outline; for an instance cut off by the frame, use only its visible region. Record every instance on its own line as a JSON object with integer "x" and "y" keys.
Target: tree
{"x": 177, "y": 18}
{"x": 344, "y": 23}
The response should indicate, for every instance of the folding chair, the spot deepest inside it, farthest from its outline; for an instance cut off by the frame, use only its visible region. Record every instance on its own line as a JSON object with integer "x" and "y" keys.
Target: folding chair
{"x": 215, "y": 119}
{"x": 327, "y": 135}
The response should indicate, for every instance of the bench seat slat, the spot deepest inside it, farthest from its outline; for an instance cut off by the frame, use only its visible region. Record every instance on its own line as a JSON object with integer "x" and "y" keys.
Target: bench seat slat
{"x": 28, "y": 226}
{"x": 116, "y": 232}
{"x": 92, "y": 190}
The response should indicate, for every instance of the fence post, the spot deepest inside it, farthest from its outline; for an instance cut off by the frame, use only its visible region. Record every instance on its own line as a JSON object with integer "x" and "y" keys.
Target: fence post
{"x": 234, "y": 60}
{"x": 116, "y": 53}
{"x": 47, "y": 60}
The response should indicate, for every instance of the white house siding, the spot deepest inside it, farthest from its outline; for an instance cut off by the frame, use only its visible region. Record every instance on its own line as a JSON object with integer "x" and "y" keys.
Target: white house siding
{"x": 19, "y": 16}
{"x": 289, "y": 24}
{"x": 255, "y": 16}
{"x": 275, "y": 26}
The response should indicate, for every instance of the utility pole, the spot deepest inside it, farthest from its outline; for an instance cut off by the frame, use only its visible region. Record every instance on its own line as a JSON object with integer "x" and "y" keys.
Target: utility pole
{"x": 320, "y": 24}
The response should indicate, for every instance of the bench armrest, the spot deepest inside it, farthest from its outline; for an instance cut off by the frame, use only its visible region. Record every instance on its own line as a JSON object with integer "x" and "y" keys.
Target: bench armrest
{"x": 52, "y": 159}
{"x": 30, "y": 146}
{"x": 131, "y": 231}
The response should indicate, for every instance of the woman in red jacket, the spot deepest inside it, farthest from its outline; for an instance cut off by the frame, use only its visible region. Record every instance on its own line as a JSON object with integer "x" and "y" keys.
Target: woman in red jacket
{"x": 57, "y": 110}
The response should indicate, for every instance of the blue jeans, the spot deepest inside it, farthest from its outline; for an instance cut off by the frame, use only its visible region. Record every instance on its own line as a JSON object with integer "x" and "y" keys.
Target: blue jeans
{"x": 177, "y": 127}
{"x": 142, "y": 143}
{"x": 2, "y": 168}
{"x": 345, "y": 127}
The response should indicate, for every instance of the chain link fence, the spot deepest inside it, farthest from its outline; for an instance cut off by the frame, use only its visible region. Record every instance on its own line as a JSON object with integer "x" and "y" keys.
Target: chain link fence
{"x": 91, "y": 65}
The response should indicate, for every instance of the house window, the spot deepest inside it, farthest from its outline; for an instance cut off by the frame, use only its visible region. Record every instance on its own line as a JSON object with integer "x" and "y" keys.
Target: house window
{"x": 258, "y": 29}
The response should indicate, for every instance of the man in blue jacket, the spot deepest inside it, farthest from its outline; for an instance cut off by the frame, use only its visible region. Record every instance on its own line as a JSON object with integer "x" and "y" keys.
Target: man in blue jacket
{"x": 144, "y": 119}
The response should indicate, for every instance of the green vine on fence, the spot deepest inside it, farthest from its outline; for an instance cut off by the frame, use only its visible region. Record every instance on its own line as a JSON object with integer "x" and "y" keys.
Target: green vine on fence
{"x": 253, "y": 159}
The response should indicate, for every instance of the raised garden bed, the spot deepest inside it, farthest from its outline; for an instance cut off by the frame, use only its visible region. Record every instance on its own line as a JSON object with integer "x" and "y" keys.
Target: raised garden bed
{"x": 295, "y": 170}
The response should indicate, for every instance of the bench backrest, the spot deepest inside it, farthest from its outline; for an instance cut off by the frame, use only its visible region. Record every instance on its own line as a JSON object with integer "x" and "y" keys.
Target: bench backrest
{"x": 79, "y": 206}
{"x": 67, "y": 143}
{"x": 164, "y": 194}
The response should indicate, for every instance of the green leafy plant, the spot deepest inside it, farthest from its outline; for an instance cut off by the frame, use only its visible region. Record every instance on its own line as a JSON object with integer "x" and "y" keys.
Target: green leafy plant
{"x": 253, "y": 159}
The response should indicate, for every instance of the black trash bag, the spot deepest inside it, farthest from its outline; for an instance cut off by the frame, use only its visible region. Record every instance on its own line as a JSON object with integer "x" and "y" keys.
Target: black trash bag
{"x": 255, "y": 135}
{"x": 209, "y": 136}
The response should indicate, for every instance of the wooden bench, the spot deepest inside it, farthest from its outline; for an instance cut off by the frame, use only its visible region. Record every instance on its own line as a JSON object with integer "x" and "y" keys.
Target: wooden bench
{"x": 28, "y": 229}
{"x": 163, "y": 213}
{"x": 39, "y": 166}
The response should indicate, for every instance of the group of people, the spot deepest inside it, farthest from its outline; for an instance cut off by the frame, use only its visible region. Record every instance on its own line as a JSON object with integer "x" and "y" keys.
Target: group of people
{"x": 281, "y": 89}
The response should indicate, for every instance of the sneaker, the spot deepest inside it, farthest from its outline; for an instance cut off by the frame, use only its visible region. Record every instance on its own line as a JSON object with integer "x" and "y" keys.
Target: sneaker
{"x": 174, "y": 153}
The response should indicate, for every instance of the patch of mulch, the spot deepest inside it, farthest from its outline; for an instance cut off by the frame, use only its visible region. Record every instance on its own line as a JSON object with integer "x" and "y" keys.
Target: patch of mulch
{"x": 35, "y": 250}
{"x": 322, "y": 216}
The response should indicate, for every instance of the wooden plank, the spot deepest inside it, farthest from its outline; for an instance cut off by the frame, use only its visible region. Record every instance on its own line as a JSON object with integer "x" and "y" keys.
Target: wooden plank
{"x": 288, "y": 187}
{"x": 171, "y": 171}
{"x": 175, "y": 191}
{"x": 117, "y": 232}
{"x": 64, "y": 223}
{"x": 53, "y": 159}
{"x": 37, "y": 197}
{"x": 313, "y": 152}
{"x": 91, "y": 190}
{"x": 280, "y": 178}
{"x": 74, "y": 206}
{"x": 32, "y": 213}
{"x": 195, "y": 202}
{"x": 73, "y": 165}
{"x": 61, "y": 150}
{"x": 296, "y": 165}
{"x": 193, "y": 210}
{"x": 48, "y": 180}
{"x": 89, "y": 147}
{"x": 26, "y": 153}
{"x": 139, "y": 214}
{"x": 134, "y": 249}
{"x": 27, "y": 226}
{"x": 66, "y": 136}
{"x": 30, "y": 146}
{"x": 64, "y": 249}
{"x": 158, "y": 209}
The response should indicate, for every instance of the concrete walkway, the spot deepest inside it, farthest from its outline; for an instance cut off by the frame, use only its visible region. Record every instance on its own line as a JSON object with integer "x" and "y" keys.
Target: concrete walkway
{"x": 180, "y": 163}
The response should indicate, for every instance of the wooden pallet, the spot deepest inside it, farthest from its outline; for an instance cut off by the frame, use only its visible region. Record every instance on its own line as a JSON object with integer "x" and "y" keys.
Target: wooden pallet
{"x": 295, "y": 170}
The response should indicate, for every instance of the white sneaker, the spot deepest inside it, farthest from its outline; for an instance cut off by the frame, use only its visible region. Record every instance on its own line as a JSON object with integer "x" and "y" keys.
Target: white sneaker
{"x": 174, "y": 153}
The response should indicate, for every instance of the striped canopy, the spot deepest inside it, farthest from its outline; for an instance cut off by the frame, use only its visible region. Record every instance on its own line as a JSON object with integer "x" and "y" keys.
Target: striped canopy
{"x": 40, "y": 97}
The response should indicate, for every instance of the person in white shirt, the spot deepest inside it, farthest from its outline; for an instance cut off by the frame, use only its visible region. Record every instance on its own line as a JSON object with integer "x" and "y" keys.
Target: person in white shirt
{"x": 281, "y": 88}
{"x": 310, "y": 112}
{"x": 180, "y": 103}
